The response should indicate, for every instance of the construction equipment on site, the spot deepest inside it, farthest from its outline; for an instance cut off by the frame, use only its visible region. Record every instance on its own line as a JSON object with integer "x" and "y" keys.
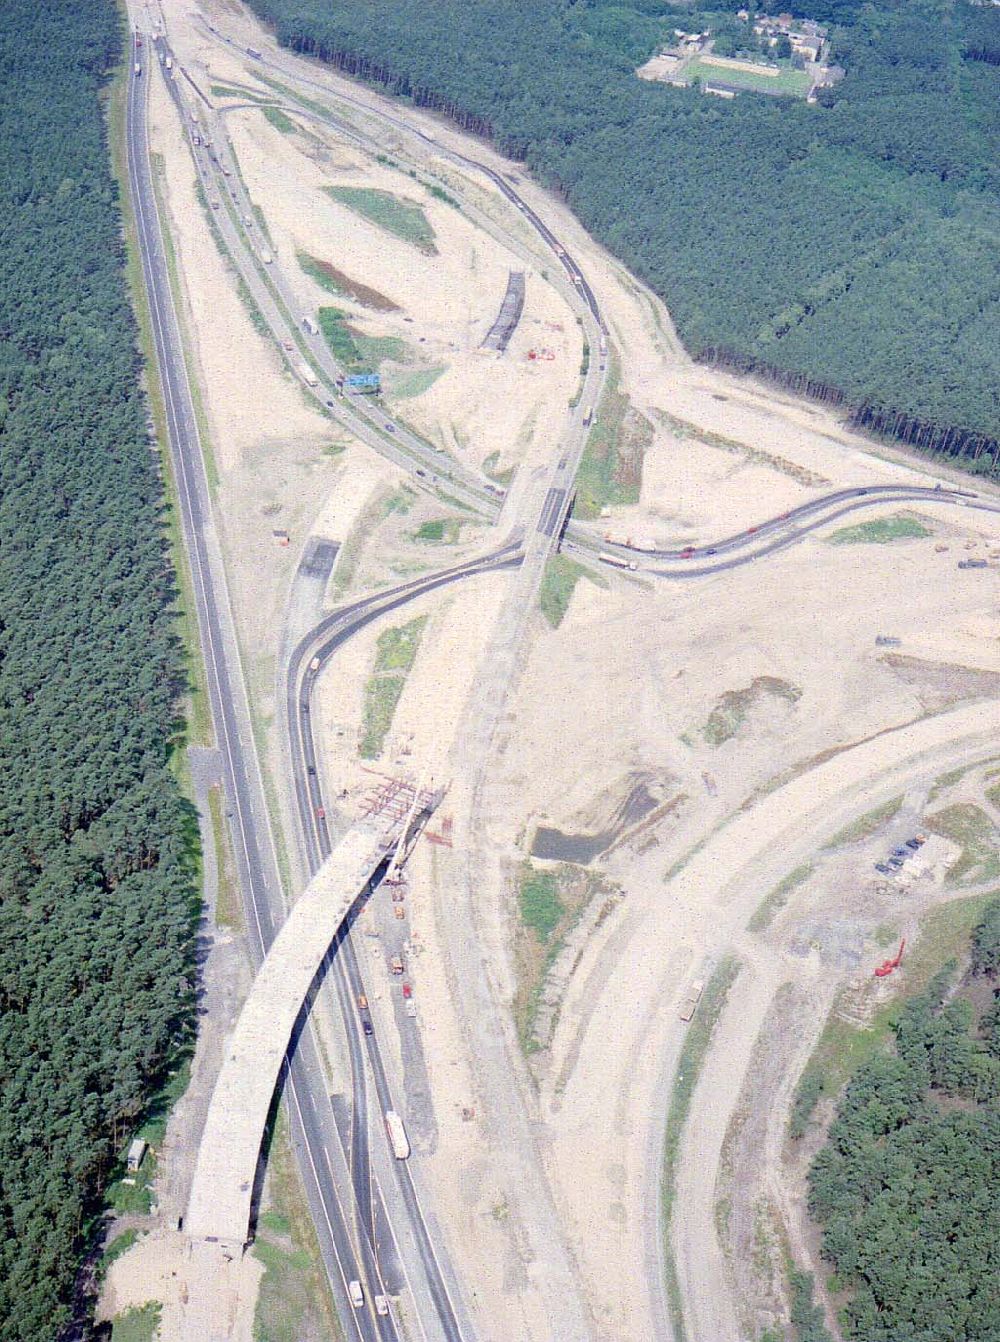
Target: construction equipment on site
{"x": 887, "y": 966}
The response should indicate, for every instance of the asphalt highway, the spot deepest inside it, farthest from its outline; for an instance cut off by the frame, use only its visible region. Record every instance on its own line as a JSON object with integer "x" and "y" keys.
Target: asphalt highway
{"x": 252, "y": 846}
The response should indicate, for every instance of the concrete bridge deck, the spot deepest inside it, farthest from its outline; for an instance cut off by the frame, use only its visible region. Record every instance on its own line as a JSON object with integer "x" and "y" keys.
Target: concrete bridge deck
{"x": 219, "y": 1207}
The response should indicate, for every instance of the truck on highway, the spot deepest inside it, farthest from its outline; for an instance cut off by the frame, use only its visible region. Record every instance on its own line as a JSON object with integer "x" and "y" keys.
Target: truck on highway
{"x": 266, "y": 256}
{"x": 357, "y": 1293}
{"x": 588, "y": 417}
{"x": 308, "y": 376}
{"x": 618, "y": 562}
{"x": 170, "y": 62}
{"x": 138, "y": 68}
{"x": 397, "y": 1135}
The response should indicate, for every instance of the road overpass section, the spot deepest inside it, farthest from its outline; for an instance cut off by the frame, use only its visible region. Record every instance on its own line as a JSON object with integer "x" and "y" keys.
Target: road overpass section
{"x": 220, "y": 1208}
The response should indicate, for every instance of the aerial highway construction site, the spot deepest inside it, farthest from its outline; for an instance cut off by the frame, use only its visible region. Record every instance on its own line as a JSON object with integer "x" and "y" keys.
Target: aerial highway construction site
{"x": 581, "y": 729}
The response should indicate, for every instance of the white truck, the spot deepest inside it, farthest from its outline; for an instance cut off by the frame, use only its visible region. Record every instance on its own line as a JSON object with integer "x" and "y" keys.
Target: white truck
{"x": 308, "y": 376}
{"x": 357, "y": 1293}
{"x": 397, "y": 1135}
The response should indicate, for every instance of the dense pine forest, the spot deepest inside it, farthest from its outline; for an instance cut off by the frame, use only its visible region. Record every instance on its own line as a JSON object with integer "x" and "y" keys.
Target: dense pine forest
{"x": 907, "y": 1188}
{"x": 848, "y": 249}
{"x": 96, "y": 877}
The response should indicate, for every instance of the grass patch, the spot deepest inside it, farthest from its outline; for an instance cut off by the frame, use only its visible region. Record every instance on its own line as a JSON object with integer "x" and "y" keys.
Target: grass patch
{"x": 791, "y": 83}
{"x": 611, "y": 467}
{"x": 975, "y": 833}
{"x": 401, "y": 218}
{"x": 374, "y": 349}
{"x": 730, "y": 711}
{"x": 228, "y": 905}
{"x": 335, "y": 281}
{"x": 549, "y": 904}
{"x": 771, "y": 906}
{"x": 279, "y": 120}
{"x": 689, "y": 1064}
{"x": 137, "y": 1325}
{"x": 408, "y": 385}
{"x": 880, "y": 531}
{"x": 294, "y": 1300}
{"x": 866, "y": 825}
{"x": 558, "y": 584}
{"x": 539, "y": 902}
{"x": 394, "y": 656}
{"x": 440, "y": 530}
{"x": 118, "y": 1246}
{"x": 232, "y": 91}
{"x": 490, "y": 466}
{"x": 339, "y": 336}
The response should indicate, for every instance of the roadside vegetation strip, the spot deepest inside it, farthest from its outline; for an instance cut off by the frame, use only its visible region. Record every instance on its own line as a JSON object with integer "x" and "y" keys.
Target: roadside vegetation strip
{"x": 401, "y": 218}
{"x": 772, "y": 904}
{"x": 611, "y": 467}
{"x": 395, "y": 653}
{"x": 558, "y": 584}
{"x": 694, "y": 1050}
{"x": 279, "y": 119}
{"x": 880, "y": 531}
{"x": 867, "y": 825}
{"x": 294, "y": 1298}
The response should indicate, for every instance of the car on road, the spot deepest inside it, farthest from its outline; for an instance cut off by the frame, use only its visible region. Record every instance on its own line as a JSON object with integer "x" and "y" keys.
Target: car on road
{"x": 381, "y": 1305}
{"x": 396, "y": 964}
{"x": 407, "y": 990}
{"x": 362, "y": 1002}
{"x": 712, "y": 551}
{"x": 901, "y": 851}
{"x": 367, "y": 1026}
{"x": 423, "y": 473}
{"x": 356, "y": 1291}
{"x": 751, "y": 531}
{"x": 320, "y": 812}
{"x": 687, "y": 553}
{"x": 390, "y": 428}
{"x": 883, "y": 868}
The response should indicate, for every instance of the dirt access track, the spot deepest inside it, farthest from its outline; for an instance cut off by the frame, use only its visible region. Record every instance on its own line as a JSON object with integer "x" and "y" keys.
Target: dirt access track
{"x": 634, "y": 683}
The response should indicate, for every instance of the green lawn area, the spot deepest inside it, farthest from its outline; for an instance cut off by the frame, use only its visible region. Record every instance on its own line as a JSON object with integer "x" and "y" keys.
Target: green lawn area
{"x": 541, "y": 907}
{"x": 401, "y": 218}
{"x": 793, "y": 83}
{"x": 339, "y": 336}
{"x": 440, "y": 531}
{"x": 880, "y": 531}
{"x": 866, "y": 825}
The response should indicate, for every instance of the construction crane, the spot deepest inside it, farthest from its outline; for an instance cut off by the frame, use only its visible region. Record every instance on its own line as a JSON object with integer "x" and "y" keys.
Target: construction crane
{"x": 887, "y": 966}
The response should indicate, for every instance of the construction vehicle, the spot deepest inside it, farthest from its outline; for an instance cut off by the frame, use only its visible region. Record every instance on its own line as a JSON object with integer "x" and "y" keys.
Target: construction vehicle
{"x": 397, "y": 1135}
{"x": 691, "y": 999}
{"x": 310, "y": 326}
{"x": 888, "y": 966}
{"x": 607, "y": 558}
{"x": 588, "y": 417}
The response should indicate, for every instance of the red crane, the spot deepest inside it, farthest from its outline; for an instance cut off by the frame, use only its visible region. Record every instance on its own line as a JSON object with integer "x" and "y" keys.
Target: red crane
{"x": 887, "y": 966}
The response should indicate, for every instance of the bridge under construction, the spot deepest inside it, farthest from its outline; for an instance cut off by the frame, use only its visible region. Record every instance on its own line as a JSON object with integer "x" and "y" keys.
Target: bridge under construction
{"x": 221, "y": 1204}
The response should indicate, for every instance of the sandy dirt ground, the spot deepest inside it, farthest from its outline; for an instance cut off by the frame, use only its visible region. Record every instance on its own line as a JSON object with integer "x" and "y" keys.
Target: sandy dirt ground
{"x": 627, "y": 685}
